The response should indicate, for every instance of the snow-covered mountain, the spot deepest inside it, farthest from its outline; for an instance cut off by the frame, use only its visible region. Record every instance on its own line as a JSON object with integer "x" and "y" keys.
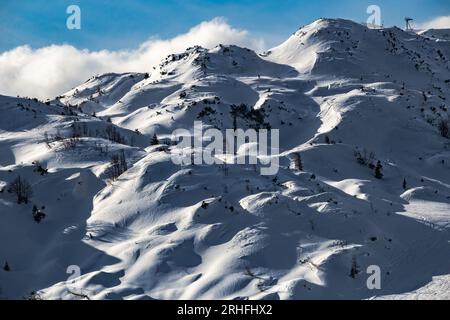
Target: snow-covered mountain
{"x": 348, "y": 100}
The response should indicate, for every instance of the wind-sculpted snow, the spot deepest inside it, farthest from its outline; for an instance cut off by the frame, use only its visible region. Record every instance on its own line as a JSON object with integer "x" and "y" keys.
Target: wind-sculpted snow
{"x": 363, "y": 177}
{"x": 437, "y": 34}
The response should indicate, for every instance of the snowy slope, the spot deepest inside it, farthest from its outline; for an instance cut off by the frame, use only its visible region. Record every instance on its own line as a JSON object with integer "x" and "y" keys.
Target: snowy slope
{"x": 343, "y": 96}
{"x": 437, "y": 34}
{"x": 100, "y": 92}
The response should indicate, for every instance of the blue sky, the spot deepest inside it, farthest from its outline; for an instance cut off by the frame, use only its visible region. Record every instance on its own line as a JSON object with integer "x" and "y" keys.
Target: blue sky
{"x": 119, "y": 24}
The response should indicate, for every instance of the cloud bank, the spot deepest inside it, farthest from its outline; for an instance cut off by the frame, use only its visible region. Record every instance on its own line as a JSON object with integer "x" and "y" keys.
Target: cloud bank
{"x": 50, "y": 71}
{"x": 437, "y": 23}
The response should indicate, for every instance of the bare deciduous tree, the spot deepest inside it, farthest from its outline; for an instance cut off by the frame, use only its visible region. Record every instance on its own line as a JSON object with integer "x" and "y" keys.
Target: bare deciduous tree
{"x": 297, "y": 163}
{"x": 118, "y": 165}
{"x": 444, "y": 129}
{"x": 354, "y": 269}
{"x": 22, "y": 189}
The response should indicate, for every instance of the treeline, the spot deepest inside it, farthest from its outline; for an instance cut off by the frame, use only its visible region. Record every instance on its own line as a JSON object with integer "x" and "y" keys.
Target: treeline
{"x": 71, "y": 139}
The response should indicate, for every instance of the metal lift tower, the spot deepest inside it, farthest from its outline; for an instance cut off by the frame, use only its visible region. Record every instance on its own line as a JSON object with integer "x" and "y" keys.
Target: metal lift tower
{"x": 409, "y": 24}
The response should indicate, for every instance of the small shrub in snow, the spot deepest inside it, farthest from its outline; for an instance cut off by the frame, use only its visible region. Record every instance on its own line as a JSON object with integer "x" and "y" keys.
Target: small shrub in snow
{"x": 39, "y": 168}
{"x": 38, "y": 215}
{"x": 206, "y": 112}
{"x": 205, "y": 205}
{"x": 6, "y": 267}
{"x": 70, "y": 143}
{"x": 34, "y": 296}
{"x": 364, "y": 157}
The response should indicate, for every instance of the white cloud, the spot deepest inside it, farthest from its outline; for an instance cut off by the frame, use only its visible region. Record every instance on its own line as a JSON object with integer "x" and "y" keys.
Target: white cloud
{"x": 50, "y": 71}
{"x": 436, "y": 23}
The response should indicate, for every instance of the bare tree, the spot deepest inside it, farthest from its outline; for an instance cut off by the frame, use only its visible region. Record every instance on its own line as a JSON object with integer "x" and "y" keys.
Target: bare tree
{"x": 123, "y": 161}
{"x": 118, "y": 165}
{"x": 297, "y": 163}
{"x": 47, "y": 140}
{"x": 70, "y": 143}
{"x": 354, "y": 269}
{"x": 365, "y": 158}
{"x": 154, "y": 141}
{"x": 22, "y": 189}
{"x": 113, "y": 134}
{"x": 444, "y": 129}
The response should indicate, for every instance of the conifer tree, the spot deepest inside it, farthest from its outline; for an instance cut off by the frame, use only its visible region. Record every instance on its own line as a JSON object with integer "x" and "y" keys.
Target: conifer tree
{"x": 154, "y": 140}
{"x": 378, "y": 168}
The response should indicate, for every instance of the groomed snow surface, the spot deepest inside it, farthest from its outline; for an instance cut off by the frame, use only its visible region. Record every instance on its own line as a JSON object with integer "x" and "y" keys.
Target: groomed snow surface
{"x": 343, "y": 97}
